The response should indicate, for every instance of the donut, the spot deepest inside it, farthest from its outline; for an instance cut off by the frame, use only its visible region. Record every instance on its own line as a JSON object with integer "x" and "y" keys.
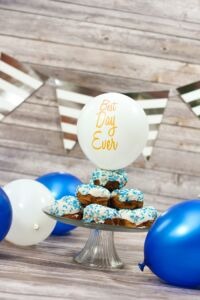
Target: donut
{"x": 109, "y": 179}
{"x": 140, "y": 217}
{"x": 100, "y": 214}
{"x": 90, "y": 193}
{"x": 67, "y": 207}
{"x": 126, "y": 198}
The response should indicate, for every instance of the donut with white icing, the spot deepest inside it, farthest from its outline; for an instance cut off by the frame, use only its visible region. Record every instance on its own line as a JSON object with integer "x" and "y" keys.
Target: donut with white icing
{"x": 110, "y": 179}
{"x": 126, "y": 198}
{"x": 138, "y": 217}
{"x": 95, "y": 213}
{"x": 90, "y": 193}
{"x": 68, "y": 207}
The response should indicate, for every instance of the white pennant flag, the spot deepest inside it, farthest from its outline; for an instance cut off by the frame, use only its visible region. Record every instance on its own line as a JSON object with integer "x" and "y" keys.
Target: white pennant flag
{"x": 72, "y": 98}
{"x": 17, "y": 83}
{"x": 190, "y": 94}
{"x": 154, "y": 104}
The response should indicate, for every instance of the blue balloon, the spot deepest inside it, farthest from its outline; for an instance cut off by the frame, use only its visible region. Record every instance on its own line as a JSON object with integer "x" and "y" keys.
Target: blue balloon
{"x": 5, "y": 214}
{"x": 172, "y": 245}
{"x": 60, "y": 184}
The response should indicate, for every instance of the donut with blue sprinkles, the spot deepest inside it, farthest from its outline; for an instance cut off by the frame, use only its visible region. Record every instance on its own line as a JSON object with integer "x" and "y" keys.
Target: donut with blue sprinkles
{"x": 127, "y": 198}
{"x": 141, "y": 217}
{"x": 110, "y": 179}
{"x": 95, "y": 213}
{"x": 90, "y": 193}
{"x": 68, "y": 207}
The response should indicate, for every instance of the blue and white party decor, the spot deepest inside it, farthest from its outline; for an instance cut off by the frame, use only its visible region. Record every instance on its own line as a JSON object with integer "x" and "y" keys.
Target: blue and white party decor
{"x": 60, "y": 185}
{"x": 17, "y": 83}
{"x": 172, "y": 245}
{"x": 30, "y": 224}
{"x": 190, "y": 94}
{"x": 72, "y": 99}
{"x": 112, "y": 130}
{"x": 5, "y": 214}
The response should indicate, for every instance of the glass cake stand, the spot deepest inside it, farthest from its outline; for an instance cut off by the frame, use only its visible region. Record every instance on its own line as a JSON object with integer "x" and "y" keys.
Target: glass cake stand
{"x": 99, "y": 251}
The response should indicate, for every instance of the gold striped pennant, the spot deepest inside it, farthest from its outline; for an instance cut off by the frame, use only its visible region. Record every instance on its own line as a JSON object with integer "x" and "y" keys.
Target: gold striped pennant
{"x": 17, "y": 83}
{"x": 154, "y": 104}
{"x": 190, "y": 94}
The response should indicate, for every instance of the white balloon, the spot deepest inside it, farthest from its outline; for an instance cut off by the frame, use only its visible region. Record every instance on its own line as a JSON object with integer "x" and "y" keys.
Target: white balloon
{"x": 112, "y": 130}
{"x": 30, "y": 225}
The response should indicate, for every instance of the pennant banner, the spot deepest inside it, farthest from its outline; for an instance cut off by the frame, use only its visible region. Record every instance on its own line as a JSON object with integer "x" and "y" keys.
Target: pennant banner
{"x": 17, "y": 83}
{"x": 191, "y": 96}
{"x": 154, "y": 104}
{"x": 72, "y": 98}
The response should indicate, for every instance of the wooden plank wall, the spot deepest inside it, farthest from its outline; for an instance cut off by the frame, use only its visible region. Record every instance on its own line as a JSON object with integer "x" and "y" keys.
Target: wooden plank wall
{"x": 111, "y": 45}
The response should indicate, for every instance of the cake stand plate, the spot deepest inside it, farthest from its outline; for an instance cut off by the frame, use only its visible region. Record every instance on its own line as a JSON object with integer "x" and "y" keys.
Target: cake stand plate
{"x": 99, "y": 251}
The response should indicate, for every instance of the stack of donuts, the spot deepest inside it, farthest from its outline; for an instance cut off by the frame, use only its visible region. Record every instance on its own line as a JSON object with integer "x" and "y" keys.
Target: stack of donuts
{"x": 105, "y": 200}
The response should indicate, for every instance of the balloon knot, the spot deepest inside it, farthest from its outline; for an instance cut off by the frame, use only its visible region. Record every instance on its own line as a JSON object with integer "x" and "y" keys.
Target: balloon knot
{"x": 36, "y": 227}
{"x": 141, "y": 266}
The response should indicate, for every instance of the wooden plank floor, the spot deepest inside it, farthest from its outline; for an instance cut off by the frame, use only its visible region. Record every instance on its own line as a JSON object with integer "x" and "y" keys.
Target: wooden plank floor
{"x": 118, "y": 45}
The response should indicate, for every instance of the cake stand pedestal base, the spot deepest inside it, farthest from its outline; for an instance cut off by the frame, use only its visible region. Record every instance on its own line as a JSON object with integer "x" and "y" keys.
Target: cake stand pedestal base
{"x": 99, "y": 251}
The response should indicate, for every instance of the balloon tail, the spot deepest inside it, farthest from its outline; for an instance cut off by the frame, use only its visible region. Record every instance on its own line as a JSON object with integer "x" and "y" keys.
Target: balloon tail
{"x": 141, "y": 266}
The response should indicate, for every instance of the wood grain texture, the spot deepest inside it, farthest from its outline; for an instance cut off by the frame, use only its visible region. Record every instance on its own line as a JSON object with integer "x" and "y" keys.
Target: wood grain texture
{"x": 131, "y": 19}
{"x": 124, "y": 46}
{"x": 101, "y": 61}
{"x": 99, "y": 36}
{"x": 181, "y": 11}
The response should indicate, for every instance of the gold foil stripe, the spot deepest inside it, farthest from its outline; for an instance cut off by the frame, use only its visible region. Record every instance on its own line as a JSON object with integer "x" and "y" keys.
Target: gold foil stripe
{"x": 21, "y": 67}
{"x": 68, "y": 120}
{"x": 16, "y": 82}
{"x": 69, "y": 86}
{"x": 189, "y": 88}
{"x": 150, "y": 95}
{"x": 154, "y": 111}
{"x": 70, "y": 136}
{"x": 194, "y": 103}
{"x": 13, "y": 62}
{"x": 71, "y": 104}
